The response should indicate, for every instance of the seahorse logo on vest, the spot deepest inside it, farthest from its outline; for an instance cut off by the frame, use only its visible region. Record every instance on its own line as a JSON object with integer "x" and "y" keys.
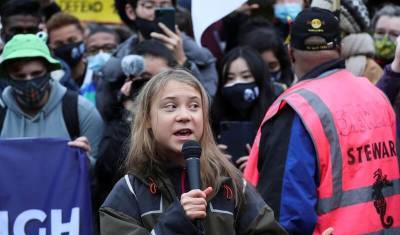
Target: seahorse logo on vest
{"x": 379, "y": 200}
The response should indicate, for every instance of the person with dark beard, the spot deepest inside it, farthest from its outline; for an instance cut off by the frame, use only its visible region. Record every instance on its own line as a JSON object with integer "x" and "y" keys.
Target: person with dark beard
{"x": 139, "y": 15}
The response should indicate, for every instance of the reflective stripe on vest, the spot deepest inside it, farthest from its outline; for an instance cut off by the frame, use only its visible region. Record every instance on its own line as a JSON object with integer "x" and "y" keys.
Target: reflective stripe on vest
{"x": 345, "y": 205}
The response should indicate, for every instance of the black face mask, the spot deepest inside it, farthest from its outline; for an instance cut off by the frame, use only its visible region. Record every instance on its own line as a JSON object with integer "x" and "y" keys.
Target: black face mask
{"x": 71, "y": 53}
{"x": 276, "y": 76}
{"x": 241, "y": 96}
{"x": 146, "y": 27}
{"x": 30, "y": 93}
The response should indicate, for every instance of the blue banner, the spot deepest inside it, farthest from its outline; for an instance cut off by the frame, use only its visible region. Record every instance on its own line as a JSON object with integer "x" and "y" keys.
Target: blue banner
{"x": 44, "y": 188}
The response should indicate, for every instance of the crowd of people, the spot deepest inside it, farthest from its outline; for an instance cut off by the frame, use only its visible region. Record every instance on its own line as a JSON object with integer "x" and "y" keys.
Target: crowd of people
{"x": 295, "y": 104}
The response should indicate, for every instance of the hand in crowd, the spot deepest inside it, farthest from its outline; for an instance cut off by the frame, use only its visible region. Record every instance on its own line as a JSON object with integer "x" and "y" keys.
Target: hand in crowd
{"x": 396, "y": 62}
{"x": 242, "y": 161}
{"x": 223, "y": 149}
{"x": 81, "y": 142}
{"x": 126, "y": 88}
{"x": 173, "y": 41}
{"x": 194, "y": 203}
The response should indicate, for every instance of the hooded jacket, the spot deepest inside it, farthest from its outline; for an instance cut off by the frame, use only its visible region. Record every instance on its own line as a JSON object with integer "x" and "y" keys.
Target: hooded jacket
{"x": 49, "y": 121}
{"x": 141, "y": 204}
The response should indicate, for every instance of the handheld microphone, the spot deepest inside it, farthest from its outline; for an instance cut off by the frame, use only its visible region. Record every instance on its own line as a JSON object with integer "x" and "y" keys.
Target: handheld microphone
{"x": 191, "y": 151}
{"x": 132, "y": 65}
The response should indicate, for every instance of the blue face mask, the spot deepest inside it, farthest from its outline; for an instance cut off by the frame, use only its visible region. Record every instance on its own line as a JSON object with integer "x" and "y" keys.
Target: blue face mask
{"x": 285, "y": 11}
{"x": 96, "y": 62}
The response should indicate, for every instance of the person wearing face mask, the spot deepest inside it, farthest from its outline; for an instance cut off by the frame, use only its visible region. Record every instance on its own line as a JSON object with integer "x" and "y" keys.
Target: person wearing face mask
{"x": 357, "y": 48}
{"x": 139, "y": 15}
{"x": 313, "y": 150}
{"x": 285, "y": 11}
{"x": 26, "y": 17}
{"x": 35, "y": 105}
{"x": 243, "y": 93}
{"x": 274, "y": 53}
{"x": 386, "y": 28}
{"x": 100, "y": 43}
{"x": 66, "y": 40}
{"x": 18, "y": 17}
{"x": 156, "y": 58}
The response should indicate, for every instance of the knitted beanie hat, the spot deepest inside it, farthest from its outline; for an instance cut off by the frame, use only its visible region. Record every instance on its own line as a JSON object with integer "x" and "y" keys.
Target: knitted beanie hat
{"x": 354, "y": 16}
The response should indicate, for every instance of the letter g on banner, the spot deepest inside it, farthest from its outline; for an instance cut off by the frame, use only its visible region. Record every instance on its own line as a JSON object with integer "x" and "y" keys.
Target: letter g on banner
{"x": 57, "y": 225}
{"x": 25, "y": 217}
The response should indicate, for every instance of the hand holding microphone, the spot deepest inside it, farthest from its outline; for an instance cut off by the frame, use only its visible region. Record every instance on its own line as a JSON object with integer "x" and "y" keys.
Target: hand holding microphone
{"x": 194, "y": 202}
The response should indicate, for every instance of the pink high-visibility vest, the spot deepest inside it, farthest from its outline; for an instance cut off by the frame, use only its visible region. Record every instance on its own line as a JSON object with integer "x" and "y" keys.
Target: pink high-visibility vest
{"x": 353, "y": 129}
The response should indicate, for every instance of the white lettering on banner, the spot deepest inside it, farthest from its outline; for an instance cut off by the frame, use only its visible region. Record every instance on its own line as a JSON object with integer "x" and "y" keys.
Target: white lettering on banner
{"x": 3, "y": 223}
{"x": 26, "y": 216}
{"x": 57, "y": 225}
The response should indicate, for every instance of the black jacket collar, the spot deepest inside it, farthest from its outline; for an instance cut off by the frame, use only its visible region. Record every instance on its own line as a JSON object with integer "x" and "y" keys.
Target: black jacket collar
{"x": 322, "y": 68}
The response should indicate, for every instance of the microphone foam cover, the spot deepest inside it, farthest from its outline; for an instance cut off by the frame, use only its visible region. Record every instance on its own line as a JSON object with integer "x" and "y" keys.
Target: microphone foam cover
{"x": 191, "y": 149}
{"x": 132, "y": 65}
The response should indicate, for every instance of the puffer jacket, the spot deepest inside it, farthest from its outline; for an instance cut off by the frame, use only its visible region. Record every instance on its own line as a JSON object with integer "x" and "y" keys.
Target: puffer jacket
{"x": 140, "y": 204}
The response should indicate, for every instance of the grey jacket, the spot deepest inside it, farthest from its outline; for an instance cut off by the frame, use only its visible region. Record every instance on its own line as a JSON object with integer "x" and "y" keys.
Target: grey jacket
{"x": 49, "y": 122}
{"x": 201, "y": 60}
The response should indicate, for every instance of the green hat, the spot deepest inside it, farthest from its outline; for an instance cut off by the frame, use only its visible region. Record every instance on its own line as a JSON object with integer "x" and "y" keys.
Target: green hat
{"x": 23, "y": 46}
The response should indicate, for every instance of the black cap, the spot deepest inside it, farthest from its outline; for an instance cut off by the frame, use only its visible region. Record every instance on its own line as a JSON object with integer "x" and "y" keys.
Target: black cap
{"x": 319, "y": 22}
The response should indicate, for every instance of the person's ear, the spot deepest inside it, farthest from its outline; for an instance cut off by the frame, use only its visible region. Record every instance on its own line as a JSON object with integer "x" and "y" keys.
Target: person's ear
{"x": 291, "y": 54}
{"x": 130, "y": 12}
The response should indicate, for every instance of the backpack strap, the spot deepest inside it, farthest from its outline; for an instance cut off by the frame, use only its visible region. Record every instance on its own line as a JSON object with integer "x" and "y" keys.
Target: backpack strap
{"x": 70, "y": 113}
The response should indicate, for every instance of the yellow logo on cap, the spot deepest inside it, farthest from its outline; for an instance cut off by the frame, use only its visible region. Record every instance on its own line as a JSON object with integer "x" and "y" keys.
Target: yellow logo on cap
{"x": 316, "y": 23}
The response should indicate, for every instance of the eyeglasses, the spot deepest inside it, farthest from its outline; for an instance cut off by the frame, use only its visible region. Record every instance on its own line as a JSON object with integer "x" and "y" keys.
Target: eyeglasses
{"x": 108, "y": 48}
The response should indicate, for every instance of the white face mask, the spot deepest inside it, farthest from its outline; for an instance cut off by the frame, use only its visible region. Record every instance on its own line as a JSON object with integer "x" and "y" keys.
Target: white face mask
{"x": 96, "y": 62}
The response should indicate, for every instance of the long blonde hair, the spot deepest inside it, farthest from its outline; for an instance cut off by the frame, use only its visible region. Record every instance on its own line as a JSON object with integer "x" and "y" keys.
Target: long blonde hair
{"x": 143, "y": 156}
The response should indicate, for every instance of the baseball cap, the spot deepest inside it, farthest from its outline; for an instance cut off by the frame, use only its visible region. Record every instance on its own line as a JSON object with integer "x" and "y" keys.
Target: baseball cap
{"x": 319, "y": 22}
{"x": 23, "y": 46}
